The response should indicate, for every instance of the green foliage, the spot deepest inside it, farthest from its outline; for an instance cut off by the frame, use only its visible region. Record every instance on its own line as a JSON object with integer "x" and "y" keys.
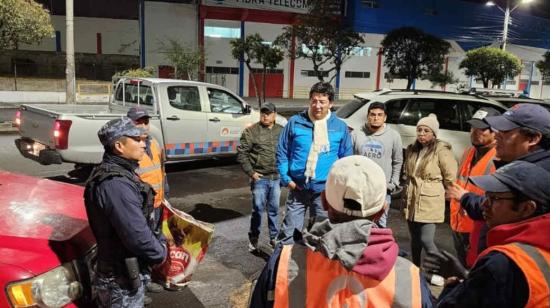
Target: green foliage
{"x": 253, "y": 49}
{"x": 544, "y": 66}
{"x": 413, "y": 54}
{"x": 186, "y": 61}
{"x": 137, "y": 72}
{"x": 23, "y": 21}
{"x": 491, "y": 64}
{"x": 442, "y": 79}
{"x": 328, "y": 40}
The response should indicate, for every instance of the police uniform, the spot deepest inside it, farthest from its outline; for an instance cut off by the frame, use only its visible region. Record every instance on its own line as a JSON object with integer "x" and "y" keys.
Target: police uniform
{"x": 119, "y": 207}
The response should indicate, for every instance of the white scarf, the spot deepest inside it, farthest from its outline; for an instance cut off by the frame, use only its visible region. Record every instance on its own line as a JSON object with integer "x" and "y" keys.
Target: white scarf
{"x": 320, "y": 144}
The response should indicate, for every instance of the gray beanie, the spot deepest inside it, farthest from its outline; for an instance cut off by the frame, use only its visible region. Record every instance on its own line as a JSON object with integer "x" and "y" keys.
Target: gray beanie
{"x": 431, "y": 122}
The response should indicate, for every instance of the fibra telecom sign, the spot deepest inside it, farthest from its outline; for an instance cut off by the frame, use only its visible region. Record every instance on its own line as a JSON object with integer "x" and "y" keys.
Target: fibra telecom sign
{"x": 294, "y": 6}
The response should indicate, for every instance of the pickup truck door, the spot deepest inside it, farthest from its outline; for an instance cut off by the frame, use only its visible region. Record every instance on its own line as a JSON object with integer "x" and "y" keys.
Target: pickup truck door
{"x": 183, "y": 121}
{"x": 226, "y": 120}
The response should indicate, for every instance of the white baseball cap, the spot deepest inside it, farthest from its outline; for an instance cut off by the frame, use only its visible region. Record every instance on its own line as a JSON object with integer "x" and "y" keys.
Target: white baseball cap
{"x": 357, "y": 178}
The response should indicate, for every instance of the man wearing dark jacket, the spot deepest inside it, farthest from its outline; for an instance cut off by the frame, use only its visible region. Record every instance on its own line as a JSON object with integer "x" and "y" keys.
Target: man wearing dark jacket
{"x": 513, "y": 270}
{"x": 256, "y": 153}
{"x": 120, "y": 212}
{"x": 346, "y": 259}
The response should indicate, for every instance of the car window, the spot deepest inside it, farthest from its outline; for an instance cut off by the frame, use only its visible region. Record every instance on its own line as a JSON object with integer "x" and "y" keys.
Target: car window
{"x": 350, "y": 108}
{"x": 447, "y": 112}
{"x": 221, "y": 101}
{"x": 394, "y": 109}
{"x": 184, "y": 97}
{"x": 135, "y": 93}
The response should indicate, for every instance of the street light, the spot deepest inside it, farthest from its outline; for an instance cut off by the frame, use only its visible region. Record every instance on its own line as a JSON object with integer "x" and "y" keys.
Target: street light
{"x": 506, "y": 12}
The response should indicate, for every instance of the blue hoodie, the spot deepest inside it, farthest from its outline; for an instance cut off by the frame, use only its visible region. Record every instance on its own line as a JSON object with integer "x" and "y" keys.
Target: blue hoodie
{"x": 294, "y": 145}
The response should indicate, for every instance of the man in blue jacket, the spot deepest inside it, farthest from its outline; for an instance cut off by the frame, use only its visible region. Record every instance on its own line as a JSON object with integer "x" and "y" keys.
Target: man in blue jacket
{"x": 308, "y": 146}
{"x": 120, "y": 212}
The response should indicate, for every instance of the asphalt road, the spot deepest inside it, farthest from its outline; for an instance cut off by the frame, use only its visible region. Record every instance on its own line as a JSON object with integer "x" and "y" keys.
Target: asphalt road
{"x": 218, "y": 192}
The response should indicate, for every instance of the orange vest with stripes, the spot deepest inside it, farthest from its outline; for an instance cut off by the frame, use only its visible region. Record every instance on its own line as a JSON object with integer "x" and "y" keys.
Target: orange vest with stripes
{"x": 460, "y": 221}
{"x": 319, "y": 282}
{"x": 535, "y": 265}
{"x": 150, "y": 171}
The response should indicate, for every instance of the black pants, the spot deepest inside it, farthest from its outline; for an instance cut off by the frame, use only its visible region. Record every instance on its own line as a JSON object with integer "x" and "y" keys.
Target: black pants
{"x": 422, "y": 236}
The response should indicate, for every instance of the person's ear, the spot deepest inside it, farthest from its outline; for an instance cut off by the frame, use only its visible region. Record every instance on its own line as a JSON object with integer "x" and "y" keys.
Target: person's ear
{"x": 527, "y": 208}
{"x": 534, "y": 140}
{"x": 376, "y": 217}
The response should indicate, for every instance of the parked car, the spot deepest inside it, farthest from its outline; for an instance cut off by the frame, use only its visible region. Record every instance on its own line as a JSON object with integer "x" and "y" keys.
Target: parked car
{"x": 191, "y": 120}
{"x": 46, "y": 245}
{"x": 511, "y": 101}
{"x": 405, "y": 107}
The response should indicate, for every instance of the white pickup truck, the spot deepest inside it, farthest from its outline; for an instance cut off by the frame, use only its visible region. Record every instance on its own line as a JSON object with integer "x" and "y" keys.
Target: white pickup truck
{"x": 191, "y": 120}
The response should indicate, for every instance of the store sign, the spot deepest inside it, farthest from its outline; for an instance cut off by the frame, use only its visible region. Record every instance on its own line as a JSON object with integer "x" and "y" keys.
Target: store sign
{"x": 294, "y": 6}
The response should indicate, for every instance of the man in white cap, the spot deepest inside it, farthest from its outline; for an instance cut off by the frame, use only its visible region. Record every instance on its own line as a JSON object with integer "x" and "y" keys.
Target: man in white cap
{"x": 346, "y": 259}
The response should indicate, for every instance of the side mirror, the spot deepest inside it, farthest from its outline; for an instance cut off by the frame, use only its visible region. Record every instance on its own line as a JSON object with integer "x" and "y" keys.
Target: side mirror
{"x": 247, "y": 109}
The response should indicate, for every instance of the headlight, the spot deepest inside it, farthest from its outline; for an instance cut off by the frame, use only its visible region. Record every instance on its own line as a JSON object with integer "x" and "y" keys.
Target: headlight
{"x": 55, "y": 288}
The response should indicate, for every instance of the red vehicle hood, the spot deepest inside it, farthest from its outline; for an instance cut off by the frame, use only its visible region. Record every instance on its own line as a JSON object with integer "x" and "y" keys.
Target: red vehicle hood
{"x": 43, "y": 223}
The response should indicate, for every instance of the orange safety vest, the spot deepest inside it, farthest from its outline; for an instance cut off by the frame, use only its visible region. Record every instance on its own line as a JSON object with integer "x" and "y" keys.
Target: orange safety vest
{"x": 460, "y": 221}
{"x": 535, "y": 265}
{"x": 319, "y": 282}
{"x": 150, "y": 171}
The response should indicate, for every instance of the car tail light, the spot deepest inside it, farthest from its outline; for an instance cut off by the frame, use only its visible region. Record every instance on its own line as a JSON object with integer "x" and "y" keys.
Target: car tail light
{"x": 61, "y": 133}
{"x": 18, "y": 118}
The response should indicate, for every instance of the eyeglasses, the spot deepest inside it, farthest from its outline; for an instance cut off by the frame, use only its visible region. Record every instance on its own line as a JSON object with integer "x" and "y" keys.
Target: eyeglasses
{"x": 492, "y": 199}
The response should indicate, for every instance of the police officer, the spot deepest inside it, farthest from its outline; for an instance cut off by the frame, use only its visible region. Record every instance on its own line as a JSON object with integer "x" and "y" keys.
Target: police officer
{"x": 120, "y": 212}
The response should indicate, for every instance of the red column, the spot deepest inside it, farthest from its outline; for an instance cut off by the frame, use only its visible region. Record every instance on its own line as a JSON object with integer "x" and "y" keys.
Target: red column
{"x": 292, "y": 67}
{"x": 379, "y": 68}
{"x": 98, "y": 43}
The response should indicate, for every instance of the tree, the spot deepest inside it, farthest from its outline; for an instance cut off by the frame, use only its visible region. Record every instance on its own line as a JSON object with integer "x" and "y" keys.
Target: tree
{"x": 253, "y": 48}
{"x": 491, "y": 64}
{"x": 413, "y": 54}
{"x": 544, "y": 66}
{"x": 186, "y": 61}
{"x": 327, "y": 40}
{"x": 23, "y": 21}
{"x": 442, "y": 79}
{"x": 137, "y": 72}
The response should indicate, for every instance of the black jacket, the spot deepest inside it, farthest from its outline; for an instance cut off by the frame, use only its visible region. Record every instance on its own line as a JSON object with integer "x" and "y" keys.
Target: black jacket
{"x": 117, "y": 203}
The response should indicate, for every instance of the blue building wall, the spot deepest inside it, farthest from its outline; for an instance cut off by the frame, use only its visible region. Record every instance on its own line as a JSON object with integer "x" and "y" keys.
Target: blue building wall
{"x": 470, "y": 24}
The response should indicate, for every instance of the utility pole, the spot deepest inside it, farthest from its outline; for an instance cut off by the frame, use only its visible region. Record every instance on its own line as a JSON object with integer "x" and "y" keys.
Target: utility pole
{"x": 70, "y": 97}
{"x": 506, "y": 22}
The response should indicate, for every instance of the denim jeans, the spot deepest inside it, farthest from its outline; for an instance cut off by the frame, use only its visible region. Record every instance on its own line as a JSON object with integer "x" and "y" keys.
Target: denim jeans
{"x": 296, "y": 204}
{"x": 383, "y": 221}
{"x": 265, "y": 192}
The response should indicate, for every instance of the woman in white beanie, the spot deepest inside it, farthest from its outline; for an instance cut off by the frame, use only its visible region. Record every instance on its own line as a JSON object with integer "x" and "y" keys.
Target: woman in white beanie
{"x": 429, "y": 167}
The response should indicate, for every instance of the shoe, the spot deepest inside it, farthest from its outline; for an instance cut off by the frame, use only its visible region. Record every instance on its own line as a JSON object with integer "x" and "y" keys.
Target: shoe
{"x": 153, "y": 287}
{"x": 147, "y": 300}
{"x": 252, "y": 244}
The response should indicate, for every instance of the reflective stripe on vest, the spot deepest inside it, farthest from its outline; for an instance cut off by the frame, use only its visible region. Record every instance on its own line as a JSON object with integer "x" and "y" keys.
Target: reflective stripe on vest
{"x": 460, "y": 222}
{"x": 308, "y": 279}
{"x": 150, "y": 171}
{"x": 535, "y": 265}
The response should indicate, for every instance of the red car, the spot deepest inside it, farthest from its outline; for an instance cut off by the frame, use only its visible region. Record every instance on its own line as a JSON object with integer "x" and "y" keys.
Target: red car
{"x": 46, "y": 245}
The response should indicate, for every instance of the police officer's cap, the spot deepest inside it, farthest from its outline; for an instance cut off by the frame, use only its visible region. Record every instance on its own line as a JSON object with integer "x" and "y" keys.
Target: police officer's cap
{"x": 115, "y": 129}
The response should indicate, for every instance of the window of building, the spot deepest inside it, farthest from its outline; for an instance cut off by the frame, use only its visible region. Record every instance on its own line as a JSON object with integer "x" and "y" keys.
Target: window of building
{"x": 361, "y": 51}
{"x": 371, "y": 4}
{"x": 222, "y": 32}
{"x": 311, "y": 73}
{"x": 222, "y": 70}
{"x": 350, "y": 74}
{"x": 308, "y": 51}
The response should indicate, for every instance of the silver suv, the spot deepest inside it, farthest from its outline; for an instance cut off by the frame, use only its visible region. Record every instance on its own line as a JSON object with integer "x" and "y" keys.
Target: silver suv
{"x": 405, "y": 107}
